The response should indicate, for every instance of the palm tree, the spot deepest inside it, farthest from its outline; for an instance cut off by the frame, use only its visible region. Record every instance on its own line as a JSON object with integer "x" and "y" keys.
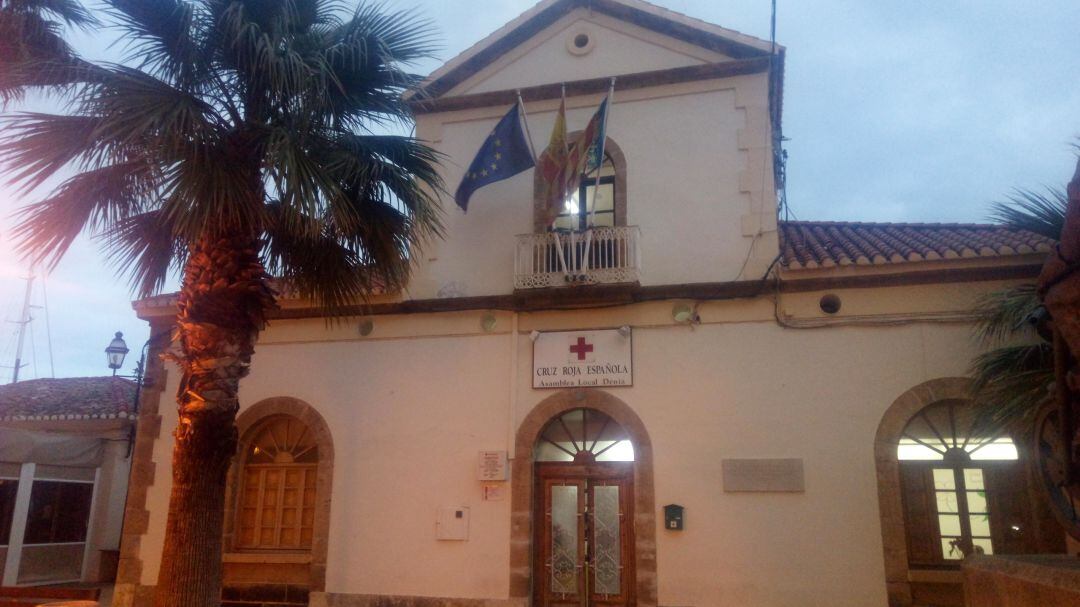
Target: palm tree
{"x": 1012, "y": 380}
{"x": 30, "y": 30}
{"x": 235, "y": 141}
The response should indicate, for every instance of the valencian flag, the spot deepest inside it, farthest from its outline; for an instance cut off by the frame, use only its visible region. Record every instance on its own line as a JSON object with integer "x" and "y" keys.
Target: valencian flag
{"x": 584, "y": 156}
{"x": 505, "y": 153}
{"x": 551, "y": 165}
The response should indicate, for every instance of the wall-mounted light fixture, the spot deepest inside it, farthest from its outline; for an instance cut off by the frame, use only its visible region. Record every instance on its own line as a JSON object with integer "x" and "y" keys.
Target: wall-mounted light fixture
{"x": 534, "y": 335}
{"x": 366, "y": 327}
{"x": 684, "y": 314}
{"x": 625, "y": 330}
{"x": 487, "y": 322}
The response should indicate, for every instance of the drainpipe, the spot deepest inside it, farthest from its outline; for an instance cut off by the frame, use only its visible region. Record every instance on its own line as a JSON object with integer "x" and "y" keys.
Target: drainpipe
{"x": 511, "y": 431}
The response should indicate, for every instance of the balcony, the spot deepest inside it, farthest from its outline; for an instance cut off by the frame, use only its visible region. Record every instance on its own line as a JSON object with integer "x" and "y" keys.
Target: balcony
{"x": 607, "y": 255}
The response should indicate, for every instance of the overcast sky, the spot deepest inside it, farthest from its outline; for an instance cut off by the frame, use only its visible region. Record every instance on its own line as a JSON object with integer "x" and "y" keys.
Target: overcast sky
{"x": 921, "y": 110}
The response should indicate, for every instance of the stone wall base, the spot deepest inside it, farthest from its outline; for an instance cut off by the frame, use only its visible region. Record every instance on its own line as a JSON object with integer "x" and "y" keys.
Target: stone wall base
{"x": 1022, "y": 581}
{"x": 335, "y": 599}
{"x": 132, "y": 595}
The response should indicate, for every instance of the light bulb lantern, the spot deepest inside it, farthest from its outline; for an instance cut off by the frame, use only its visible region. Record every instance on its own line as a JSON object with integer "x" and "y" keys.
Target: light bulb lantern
{"x": 116, "y": 352}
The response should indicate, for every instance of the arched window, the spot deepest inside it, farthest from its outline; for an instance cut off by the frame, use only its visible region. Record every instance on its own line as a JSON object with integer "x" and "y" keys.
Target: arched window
{"x": 277, "y": 494}
{"x": 584, "y": 436}
{"x": 610, "y": 207}
{"x": 575, "y": 214}
{"x": 964, "y": 491}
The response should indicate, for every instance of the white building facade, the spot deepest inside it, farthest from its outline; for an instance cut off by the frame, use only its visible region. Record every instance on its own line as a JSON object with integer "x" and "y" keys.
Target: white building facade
{"x": 713, "y": 415}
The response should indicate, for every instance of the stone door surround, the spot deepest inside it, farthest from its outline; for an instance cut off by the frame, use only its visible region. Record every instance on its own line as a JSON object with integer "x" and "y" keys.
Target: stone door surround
{"x": 521, "y": 530}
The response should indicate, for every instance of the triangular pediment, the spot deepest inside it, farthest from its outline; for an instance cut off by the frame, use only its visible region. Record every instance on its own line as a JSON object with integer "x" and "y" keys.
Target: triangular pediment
{"x": 574, "y": 40}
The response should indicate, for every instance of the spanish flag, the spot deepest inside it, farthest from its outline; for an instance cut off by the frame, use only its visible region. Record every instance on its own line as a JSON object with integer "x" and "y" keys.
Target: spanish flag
{"x": 553, "y": 168}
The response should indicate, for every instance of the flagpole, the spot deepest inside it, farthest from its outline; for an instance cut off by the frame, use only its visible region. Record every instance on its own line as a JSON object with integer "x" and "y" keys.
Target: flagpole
{"x": 525, "y": 121}
{"x": 600, "y": 157}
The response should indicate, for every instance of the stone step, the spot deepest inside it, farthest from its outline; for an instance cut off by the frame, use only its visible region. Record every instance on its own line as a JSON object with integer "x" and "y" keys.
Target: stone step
{"x": 268, "y": 595}
{"x": 55, "y": 593}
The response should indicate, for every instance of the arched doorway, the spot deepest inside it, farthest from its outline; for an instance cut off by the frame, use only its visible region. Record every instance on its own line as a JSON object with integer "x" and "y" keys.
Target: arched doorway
{"x": 584, "y": 510}
{"x": 523, "y": 577}
{"x": 949, "y": 487}
{"x": 278, "y": 522}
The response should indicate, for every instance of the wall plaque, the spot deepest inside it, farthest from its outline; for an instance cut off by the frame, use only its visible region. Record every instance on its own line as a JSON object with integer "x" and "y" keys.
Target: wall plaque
{"x": 763, "y": 475}
{"x": 571, "y": 359}
{"x": 492, "y": 466}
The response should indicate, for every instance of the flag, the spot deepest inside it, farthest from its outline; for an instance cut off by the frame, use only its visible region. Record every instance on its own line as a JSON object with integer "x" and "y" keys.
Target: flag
{"x": 505, "y": 153}
{"x": 594, "y": 160}
{"x": 584, "y": 155}
{"x": 551, "y": 166}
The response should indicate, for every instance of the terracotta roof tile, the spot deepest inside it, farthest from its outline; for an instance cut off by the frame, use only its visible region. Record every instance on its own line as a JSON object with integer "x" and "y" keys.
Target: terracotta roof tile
{"x": 824, "y": 244}
{"x": 68, "y": 398}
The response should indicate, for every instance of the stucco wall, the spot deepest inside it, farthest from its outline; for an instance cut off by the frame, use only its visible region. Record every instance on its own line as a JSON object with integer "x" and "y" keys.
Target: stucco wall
{"x": 695, "y": 156}
{"x": 410, "y": 406}
{"x": 699, "y": 173}
{"x": 616, "y": 48}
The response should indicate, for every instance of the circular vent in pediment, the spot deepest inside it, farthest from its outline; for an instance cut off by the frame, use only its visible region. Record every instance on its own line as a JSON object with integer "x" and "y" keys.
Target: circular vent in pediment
{"x": 580, "y": 41}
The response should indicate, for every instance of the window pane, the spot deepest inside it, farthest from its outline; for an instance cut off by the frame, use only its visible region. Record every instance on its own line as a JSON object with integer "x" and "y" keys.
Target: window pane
{"x": 566, "y": 222}
{"x": 999, "y": 449}
{"x": 911, "y": 450}
{"x": 944, "y": 479}
{"x": 604, "y": 220}
{"x": 51, "y": 563}
{"x": 980, "y": 525}
{"x": 8, "y": 489}
{"x": 976, "y": 502}
{"x": 564, "y": 539}
{"x": 946, "y": 502}
{"x": 59, "y": 512}
{"x": 950, "y": 548}
{"x": 949, "y": 524}
{"x": 606, "y": 535}
{"x": 607, "y": 197}
{"x": 983, "y": 544}
{"x": 973, "y": 478}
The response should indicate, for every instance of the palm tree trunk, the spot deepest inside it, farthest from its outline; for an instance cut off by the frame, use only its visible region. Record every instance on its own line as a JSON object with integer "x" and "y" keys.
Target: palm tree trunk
{"x": 223, "y": 304}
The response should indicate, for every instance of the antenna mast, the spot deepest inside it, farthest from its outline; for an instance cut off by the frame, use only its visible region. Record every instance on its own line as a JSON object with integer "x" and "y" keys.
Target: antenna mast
{"x": 24, "y": 320}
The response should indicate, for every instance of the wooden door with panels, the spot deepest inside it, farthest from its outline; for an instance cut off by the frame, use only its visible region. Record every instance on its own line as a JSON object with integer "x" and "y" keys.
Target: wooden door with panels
{"x": 583, "y": 514}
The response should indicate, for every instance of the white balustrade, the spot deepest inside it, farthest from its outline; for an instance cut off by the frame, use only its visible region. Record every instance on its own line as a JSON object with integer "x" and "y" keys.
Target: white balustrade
{"x": 603, "y": 255}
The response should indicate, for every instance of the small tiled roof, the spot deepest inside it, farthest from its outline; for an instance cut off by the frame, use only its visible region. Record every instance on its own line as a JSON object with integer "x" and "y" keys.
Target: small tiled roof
{"x": 68, "y": 398}
{"x": 824, "y": 244}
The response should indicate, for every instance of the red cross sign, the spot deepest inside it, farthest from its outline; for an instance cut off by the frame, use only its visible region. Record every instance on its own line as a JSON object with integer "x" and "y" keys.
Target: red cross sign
{"x": 581, "y": 348}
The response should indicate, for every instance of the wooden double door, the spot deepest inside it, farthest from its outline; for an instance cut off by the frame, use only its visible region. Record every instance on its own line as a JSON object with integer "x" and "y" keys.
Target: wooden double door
{"x": 584, "y": 544}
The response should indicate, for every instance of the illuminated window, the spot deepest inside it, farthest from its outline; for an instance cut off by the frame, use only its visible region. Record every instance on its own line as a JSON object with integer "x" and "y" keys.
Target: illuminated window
{"x": 583, "y": 436}
{"x": 575, "y": 215}
{"x": 277, "y": 496}
{"x": 959, "y": 483}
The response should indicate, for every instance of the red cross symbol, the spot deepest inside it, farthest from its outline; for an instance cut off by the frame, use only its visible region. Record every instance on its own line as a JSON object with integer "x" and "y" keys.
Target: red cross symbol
{"x": 581, "y": 348}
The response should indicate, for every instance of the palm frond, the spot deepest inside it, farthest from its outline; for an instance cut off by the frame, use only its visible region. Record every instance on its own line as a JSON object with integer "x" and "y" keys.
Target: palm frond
{"x": 34, "y": 146}
{"x": 318, "y": 264}
{"x": 1010, "y": 383}
{"x": 1006, "y": 314}
{"x": 159, "y": 36}
{"x": 1040, "y": 212}
{"x": 144, "y": 247}
{"x": 68, "y": 11}
{"x": 248, "y": 119}
{"x": 90, "y": 201}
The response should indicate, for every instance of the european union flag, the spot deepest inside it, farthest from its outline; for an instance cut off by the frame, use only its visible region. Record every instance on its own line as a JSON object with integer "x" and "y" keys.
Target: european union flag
{"x": 505, "y": 153}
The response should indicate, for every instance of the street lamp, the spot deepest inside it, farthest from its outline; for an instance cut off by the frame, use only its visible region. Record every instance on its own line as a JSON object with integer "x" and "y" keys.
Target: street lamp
{"x": 116, "y": 352}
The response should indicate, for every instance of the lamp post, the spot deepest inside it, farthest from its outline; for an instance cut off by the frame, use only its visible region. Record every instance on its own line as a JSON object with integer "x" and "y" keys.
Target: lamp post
{"x": 115, "y": 354}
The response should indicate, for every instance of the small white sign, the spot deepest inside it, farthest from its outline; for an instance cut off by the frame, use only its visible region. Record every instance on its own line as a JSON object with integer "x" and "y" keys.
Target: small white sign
{"x": 494, "y": 493}
{"x": 571, "y": 359}
{"x": 492, "y": 466}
